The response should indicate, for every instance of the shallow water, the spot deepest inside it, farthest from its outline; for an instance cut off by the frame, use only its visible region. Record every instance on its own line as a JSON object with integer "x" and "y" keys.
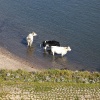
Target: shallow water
{"x": 71, "y": 22}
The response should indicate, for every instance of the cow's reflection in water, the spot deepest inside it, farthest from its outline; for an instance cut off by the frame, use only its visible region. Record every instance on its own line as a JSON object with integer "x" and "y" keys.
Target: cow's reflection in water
{"x": 56, "y": 61}
{"x": 30, "y": 51}
{"x": 47, "y": 52}
{"x": 59, "y": 62}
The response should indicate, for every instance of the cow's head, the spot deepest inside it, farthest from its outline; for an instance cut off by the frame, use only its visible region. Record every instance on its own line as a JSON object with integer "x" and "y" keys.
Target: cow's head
{"x": 34, "y": 34}
{"x": 68, "y": 48}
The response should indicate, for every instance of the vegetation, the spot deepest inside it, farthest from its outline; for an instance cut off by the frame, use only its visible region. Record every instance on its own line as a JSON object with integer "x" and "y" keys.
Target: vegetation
{"x": 49, "y": 85}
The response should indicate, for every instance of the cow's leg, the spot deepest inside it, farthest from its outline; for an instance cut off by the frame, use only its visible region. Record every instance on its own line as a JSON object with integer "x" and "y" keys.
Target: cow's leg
{"x": 28, "y": 43}
{"x": 31, "y": 43}
{"x": 62, "y": 54}
{"x": 45, "y": 48}
{"x": 53, "y": 53}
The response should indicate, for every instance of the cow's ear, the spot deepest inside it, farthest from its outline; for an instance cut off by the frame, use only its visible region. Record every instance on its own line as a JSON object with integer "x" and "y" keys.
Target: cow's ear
{"x": 66, "y": 47}
{"x": 34, "y": 34}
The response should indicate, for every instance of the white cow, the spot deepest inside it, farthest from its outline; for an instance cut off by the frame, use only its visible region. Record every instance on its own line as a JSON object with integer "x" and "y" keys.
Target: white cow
{"x": 29, "y": 38}
{"x": 60, "y": 50}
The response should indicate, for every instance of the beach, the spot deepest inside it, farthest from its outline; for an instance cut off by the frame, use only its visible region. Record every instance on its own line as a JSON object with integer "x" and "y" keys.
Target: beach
{"x": 11, "y": 62}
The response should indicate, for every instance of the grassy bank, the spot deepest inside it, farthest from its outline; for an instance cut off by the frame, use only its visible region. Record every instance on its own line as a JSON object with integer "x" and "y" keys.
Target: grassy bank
{"x": 49, "y": 85}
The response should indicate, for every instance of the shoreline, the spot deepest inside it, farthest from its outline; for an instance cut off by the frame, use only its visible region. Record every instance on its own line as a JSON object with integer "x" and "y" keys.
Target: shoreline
{"x": 11, "y": 62}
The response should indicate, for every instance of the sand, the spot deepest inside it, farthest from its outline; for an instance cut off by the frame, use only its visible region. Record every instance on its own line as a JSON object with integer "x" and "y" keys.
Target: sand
{"x": 11, "y": 62}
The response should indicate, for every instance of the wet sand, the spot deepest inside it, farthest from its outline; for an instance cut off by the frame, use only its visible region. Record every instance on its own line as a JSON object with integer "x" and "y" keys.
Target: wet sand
{"x": 12, "y": 62}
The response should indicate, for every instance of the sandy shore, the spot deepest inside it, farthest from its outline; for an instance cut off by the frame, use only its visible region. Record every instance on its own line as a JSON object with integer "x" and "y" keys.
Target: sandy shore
{"x": 11, "y": 62}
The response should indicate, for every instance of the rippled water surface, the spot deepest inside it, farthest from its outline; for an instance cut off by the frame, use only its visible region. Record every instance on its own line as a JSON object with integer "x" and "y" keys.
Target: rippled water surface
{"x": 74, "y": 23}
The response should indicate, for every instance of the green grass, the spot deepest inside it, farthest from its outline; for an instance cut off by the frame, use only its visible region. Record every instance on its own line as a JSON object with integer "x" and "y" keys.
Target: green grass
{"x": 48, "y": 84}
{"x": 51, "y": 76}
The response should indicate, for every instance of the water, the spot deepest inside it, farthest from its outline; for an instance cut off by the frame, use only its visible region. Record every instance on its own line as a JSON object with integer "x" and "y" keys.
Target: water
{"x": 71, "y": 22}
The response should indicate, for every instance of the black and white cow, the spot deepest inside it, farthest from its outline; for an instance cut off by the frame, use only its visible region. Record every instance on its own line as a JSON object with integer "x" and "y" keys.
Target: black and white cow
{"x": 47, "y": 43}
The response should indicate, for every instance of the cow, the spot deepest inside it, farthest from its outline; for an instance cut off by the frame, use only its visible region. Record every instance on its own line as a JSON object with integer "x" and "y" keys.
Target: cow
{"x": 29, "y": 38}
{"x": 60, "y": 50}
{"x": 50, "y": 43}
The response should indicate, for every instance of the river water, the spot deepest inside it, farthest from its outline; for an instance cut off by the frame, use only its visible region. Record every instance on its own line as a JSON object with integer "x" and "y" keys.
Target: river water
{"x": 74, "y": 23}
